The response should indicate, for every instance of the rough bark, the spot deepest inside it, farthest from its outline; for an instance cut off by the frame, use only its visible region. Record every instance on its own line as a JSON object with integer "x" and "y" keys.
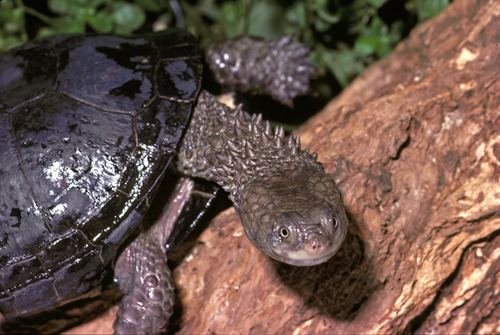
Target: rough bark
{"x": 414, "y": 145}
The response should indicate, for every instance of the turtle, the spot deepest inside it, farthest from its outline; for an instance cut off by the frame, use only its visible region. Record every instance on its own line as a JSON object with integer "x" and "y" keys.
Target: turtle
{"x": 90, "y": 125}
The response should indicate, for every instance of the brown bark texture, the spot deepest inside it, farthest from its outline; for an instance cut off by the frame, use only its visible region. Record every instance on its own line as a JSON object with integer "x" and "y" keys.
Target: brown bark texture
{"x": 414, "y": 144}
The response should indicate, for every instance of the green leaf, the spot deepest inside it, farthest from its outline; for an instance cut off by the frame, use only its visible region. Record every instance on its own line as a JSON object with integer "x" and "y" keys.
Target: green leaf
{"x": 11, "y": 14}
{"x": 128, "y": 17}
{"x": 12, "y": 19}
{"x": 209, "y": 9}
{"x": 266, "y": 19}
{"x": 342, "y": 63}
{"x": 377, "y": 39}
{"x": 233, "y": 18}
{"x": 384, "y": 46}
{"x": 322, "y": 26}
{"x": 377, "y": 3}
{"x": 47, "y": 31}
{"x": 74, "y": 7}
{"x": 66, "y": 24}
{"x": 100, "y": 23}
{"x": 428, "y": 8}
{"x": 297, "y": 15}
{"x": 59, "y": 6}
{"x": 321, "y": 7}
{"x": 366, "y": 44}
{"x": 62, "y": 25}
{"x": 153, "y": 5}
{"x": 12, "y": 27}
{"x": 9, "y": 42}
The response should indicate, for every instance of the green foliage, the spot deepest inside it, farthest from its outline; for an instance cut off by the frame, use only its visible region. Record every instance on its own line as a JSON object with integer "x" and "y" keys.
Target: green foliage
{"x": 11, "y": 25}
{"x": 344, "y": 36}
{"x": 426, "y": 9}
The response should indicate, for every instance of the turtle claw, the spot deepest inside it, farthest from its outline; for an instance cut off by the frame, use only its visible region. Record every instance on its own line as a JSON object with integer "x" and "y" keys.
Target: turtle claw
{"x": 292, "y": 70}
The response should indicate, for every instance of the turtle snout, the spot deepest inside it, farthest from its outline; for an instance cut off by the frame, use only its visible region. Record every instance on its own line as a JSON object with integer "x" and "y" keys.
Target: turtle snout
{"x": 316, "y": 244}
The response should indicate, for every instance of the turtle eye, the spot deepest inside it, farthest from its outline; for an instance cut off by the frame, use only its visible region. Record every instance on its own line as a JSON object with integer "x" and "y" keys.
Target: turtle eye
{"x": 335, "y": 222}
{"x": 284, "y": 232}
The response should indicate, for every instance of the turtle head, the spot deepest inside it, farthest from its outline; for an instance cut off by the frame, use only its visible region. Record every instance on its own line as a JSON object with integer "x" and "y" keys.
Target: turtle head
{"x": 290, "y": 207}
{"x": 295, "y": 216}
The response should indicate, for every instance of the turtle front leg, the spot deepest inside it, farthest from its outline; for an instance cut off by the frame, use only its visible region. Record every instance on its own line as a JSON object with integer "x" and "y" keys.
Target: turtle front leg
{"x": 142, "y": 273}
{"x": 278, "y": 68}
{"x": 145, "y": 280}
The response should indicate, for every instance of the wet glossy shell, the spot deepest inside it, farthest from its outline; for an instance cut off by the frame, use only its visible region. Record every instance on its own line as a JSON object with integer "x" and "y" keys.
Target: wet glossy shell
{"x": 88, "y": 126}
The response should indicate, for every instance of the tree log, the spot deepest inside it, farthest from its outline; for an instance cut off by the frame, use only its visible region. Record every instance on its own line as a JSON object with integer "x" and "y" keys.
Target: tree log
{"x": 414, "y": 145}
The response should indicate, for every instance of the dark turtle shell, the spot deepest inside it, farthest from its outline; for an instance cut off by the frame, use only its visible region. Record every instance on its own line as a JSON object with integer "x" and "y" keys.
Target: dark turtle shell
{"x": 88, "y": 127}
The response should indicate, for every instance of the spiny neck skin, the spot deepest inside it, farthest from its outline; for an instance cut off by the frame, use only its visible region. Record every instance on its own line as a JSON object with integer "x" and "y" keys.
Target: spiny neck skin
{"x": 233, "y": 148}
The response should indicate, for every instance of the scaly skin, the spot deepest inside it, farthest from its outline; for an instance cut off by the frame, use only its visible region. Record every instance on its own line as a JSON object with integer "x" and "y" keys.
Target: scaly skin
{"x": 142, "y": 273}
{"x": 290, "y": 208}
{"x": 278, "y": 68}
{"x": 148, "y": 293}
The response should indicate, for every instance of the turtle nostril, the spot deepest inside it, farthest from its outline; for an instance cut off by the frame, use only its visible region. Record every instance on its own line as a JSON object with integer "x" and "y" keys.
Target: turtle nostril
{"x": 315, "y": 244}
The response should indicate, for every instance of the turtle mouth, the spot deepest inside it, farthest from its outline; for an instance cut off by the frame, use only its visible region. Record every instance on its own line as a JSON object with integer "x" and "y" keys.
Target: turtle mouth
{"x": 302, "y": 258}
{"x": 316, "y": 249}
